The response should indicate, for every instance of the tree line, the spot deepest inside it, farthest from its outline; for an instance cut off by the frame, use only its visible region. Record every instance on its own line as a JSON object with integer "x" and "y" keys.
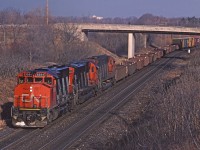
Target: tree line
{"x": 37, "y": 16}
{"x": 29, "y": 40}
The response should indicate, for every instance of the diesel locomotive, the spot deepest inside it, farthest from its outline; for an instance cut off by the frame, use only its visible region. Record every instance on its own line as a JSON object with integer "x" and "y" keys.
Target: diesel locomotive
{"x": 41, "y": 95}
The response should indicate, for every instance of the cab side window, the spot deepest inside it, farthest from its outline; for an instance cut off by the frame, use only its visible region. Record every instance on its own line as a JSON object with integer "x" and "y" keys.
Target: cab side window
{"x": 48, "y": 81}
{"x": 20, "y": 80}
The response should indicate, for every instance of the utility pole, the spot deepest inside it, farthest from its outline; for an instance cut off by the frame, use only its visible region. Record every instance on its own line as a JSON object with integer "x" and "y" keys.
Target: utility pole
{"x": 4, "y": 36}
{"x": 47, "y": 12}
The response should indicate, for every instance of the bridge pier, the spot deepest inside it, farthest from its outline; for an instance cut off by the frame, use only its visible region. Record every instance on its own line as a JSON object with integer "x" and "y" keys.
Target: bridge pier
{"x": 83, "y": 36}
{"x": 131, "y": 45}
{"x": 145, "y": 40}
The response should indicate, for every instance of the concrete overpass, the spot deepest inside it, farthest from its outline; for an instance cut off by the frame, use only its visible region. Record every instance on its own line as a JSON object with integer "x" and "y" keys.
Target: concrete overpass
{"x": 137, "y": 29}
{"x": 85, "y": 28}
{"x": 131, "y": 29}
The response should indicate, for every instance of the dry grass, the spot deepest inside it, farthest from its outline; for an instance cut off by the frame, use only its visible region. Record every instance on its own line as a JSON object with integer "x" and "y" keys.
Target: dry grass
{"x": 6, "y": 89}
{"x": 172, "y": 118}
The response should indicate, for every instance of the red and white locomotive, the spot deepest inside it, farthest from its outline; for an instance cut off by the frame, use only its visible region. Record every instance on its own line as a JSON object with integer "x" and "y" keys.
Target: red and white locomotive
{"x": 41, "y": 95}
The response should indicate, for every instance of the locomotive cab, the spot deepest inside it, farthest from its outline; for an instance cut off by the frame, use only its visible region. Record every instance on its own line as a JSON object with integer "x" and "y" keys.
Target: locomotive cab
{"x": 41, "y": 95}
{"x": 33, "y": 97}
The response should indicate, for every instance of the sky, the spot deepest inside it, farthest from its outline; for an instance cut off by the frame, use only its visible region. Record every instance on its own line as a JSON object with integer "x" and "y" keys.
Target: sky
{"x": 110, "y": 8}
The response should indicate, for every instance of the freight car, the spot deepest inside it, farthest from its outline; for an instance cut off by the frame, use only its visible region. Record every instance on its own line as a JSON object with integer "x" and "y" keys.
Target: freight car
{"x": 145, "y": 58}
{"x": 196, "y": 41}
{"x": 41, "y": 95}
{"x": 186, "y": 42}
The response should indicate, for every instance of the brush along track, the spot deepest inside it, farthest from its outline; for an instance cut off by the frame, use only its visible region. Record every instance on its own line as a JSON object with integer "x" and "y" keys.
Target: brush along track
{"x": 63, "y": 132}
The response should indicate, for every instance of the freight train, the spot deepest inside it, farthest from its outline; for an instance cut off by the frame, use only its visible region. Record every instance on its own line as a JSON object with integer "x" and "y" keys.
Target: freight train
{"x": 186, "y": 42}
{"x": 43, "y": 94}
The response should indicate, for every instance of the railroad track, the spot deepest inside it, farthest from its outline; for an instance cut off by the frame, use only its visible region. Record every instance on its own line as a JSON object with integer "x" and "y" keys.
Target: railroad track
{"x": 8, "y": 132}
{"x": 12, "y": 140}
{"x": 65, "y": 138}
{"x": 72, "y": 134}
{"x": 8, "y": 136}
{"x": 15, "y": 137}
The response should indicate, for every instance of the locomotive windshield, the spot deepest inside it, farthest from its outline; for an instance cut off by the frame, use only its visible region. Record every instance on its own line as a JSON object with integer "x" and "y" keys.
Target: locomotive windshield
{"x": 29, "y": 80}
{"x": 38, "y": 80}
{"x": 39, "y": 77}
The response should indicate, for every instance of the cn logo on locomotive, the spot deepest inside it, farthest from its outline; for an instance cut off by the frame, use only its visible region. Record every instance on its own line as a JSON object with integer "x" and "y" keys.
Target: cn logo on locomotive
{"x": 25, "y": 98}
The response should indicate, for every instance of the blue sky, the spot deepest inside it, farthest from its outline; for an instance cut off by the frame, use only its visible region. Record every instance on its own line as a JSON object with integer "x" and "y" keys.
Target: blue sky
{"x": 110, "y": 8}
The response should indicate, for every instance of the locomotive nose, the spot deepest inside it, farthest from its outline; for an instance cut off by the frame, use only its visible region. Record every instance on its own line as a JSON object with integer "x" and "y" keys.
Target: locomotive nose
{"x": 32, "y": 96}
